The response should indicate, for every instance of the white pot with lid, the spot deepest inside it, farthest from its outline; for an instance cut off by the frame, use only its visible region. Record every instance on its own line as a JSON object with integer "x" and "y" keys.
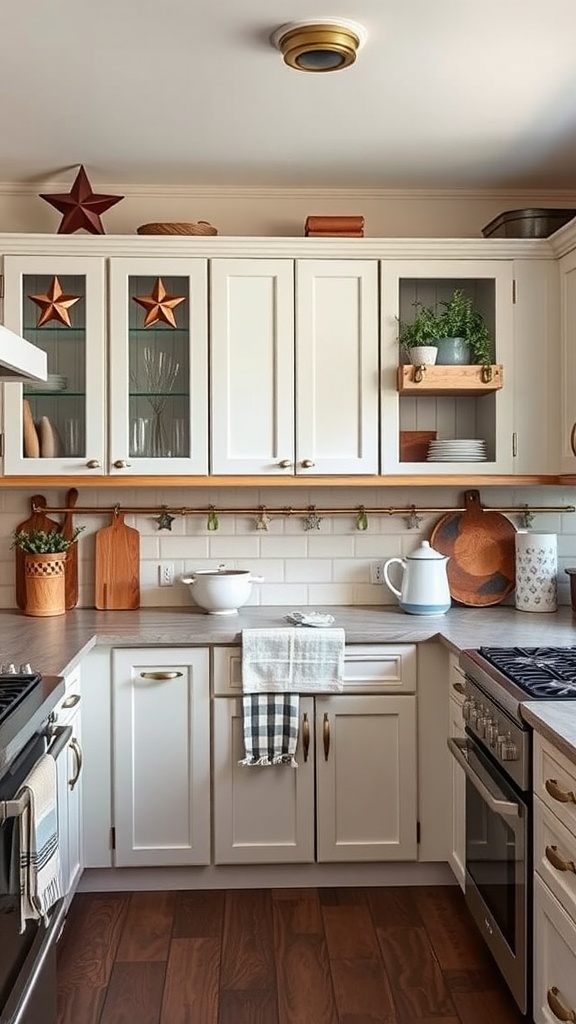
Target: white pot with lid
{"x": 221, "y": 591}
{"x": 424, "y": 587}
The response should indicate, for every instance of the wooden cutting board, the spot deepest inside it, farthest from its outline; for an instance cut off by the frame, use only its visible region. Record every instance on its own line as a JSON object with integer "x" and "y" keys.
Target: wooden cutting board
{"x": 71, "y": 564}
{"x": 481, "y": 548}
{"x": 117, "y": 565}
{"x": 36, "y": 521}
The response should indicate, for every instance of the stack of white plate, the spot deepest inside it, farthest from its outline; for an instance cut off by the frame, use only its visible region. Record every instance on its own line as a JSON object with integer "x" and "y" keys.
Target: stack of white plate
{"x": 457, "y": 450}
{"x": 55, "y": 382}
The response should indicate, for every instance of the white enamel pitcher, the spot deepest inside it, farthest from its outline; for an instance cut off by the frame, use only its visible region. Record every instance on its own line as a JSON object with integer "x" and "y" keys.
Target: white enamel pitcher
{"x": 424, "y": 587}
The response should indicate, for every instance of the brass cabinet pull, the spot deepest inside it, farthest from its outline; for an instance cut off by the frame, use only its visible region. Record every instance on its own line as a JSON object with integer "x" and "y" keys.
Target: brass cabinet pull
{"x": 93, "y": 464}
{"x": 564, "y": 796}
{"x": 305, "y": 735}
{"x": 161, "y": 675}
{"x": 307, "y": 464}
{"x": 326, "y": 735}
{"x": 71, "y": 701}
{"x": 557, "y": 861}
{"x": 573, "y": 439}
{"x": 122, "y": 464}
{"x": 77, "y": 751}
{"x": 285, "y": 464}
{"x": 419, "y": 372}
{"x": 486, "y": 374}
{"x": 459, "y": 687}
{"x": 557, "y": 1006}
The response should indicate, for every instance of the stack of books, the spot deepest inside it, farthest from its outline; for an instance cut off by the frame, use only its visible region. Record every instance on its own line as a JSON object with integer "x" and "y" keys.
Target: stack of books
{"x": 334, "y": 227}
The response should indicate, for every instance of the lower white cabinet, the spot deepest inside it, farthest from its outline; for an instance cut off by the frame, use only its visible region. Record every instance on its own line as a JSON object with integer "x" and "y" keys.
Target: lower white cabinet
{"x": 69, "y": 787}
{"x": 161, "y": 756}
{"x": 352, "y": 797}
{"x": 457, "y": 849}
{"x": 554, "y": 885}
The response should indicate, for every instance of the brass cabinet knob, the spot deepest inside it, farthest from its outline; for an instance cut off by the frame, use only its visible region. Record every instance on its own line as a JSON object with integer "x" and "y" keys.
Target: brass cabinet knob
{"x": 121, "y": 464}
{"x": 285, "y": 464}
{"x": 307, "y": 464}
{"x": 93, "y": 464}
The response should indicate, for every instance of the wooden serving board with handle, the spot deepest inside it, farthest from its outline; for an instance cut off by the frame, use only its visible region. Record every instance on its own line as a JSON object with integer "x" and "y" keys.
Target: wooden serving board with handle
{"x": 36, "y": 521}
{"x": 71, "y": 564}
{"x": 117, "y": 569}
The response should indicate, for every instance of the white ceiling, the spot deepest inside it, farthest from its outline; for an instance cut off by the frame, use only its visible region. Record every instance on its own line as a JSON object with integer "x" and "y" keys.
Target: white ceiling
{"x": 444, "y": 94}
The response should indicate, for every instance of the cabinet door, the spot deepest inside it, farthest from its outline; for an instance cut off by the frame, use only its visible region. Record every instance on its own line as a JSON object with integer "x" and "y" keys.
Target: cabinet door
{"x": 252, "y": 366}
{"x": 158, "y": 366}
{"x": 366, "y": 778}
{"x": 554, "y": 959}
{"x": 57, "y": 427}
{"x": 69, "y": 775}
{"x": 161, "y": 756}
{"x": 261, "y": 815}
{"x": 457, "y": 851}
{"x": 336, "y": 366}
{"x": 460, "y": 412}
{"x": 568, "y": 362}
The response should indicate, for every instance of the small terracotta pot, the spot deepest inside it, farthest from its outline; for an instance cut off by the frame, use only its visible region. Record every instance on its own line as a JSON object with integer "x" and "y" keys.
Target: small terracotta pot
{"x": 45, "y": 587}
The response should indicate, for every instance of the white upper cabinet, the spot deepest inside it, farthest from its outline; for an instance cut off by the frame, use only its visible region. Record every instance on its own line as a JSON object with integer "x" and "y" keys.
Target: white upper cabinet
{"x": 59, "y": 426}
{"x": 158, "y": 366}
{"x": 294, "y": 375}
{"x": 127, "y": 391}
{"x": 447, "y": 402}
{"x": 568, "y": 363}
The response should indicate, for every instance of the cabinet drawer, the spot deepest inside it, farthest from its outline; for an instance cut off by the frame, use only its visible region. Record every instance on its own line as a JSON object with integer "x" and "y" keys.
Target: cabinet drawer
{"x": 368, "y": 668}
{"x": 555, "y": 856}
{"x": 555, "y": 781}
{"x": 554, "y": 959}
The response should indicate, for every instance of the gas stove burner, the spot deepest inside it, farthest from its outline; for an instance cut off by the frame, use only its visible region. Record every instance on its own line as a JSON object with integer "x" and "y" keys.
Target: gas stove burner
{"x": 544, "y": 672}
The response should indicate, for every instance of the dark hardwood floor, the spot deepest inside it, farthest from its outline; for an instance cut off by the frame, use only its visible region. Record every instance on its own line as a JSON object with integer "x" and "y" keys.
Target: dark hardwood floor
{"x": 278, "y": 956}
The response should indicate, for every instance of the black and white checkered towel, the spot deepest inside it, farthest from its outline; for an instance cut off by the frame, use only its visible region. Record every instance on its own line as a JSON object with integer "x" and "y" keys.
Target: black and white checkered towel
{"x": 270, "y": 728}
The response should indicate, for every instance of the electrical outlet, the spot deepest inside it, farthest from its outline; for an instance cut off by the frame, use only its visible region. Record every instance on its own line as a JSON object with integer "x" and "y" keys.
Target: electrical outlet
{"x": 166, "y": 574}
{"x": 377, "y": 572}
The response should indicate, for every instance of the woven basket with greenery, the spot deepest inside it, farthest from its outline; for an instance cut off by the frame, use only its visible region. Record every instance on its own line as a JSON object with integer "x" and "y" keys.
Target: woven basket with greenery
{"x": 202, "y": 227}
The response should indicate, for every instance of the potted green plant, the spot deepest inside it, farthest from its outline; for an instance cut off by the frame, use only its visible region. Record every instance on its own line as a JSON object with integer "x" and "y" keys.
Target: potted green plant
{"x": 464, "y": 336}
{"x": 418, "y": 339}
{"x": 44, "y": 563}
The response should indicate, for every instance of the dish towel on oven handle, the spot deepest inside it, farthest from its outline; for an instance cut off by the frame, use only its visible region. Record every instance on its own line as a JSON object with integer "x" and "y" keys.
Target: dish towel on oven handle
{"x": 40, "y": 885}
{"x": 277, "y": 666}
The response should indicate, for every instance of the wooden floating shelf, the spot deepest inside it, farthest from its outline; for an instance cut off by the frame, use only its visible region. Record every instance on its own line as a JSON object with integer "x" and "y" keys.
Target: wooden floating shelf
{"x": 449, "y": 380}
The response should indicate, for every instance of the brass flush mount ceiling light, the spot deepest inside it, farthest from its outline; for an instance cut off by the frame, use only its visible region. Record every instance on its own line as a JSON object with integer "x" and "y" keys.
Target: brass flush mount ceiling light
{"x": 319, "y": 44}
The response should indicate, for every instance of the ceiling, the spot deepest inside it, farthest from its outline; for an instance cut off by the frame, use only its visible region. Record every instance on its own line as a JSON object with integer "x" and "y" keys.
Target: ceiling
{"x": 456, "y": 94}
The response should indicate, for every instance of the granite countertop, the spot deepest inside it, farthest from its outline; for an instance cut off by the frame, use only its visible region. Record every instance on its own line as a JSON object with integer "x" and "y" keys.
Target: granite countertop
{"x": 55, "y": 644}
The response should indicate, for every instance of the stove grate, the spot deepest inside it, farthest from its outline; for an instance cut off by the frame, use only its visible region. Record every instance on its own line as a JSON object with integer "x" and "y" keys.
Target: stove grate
{"x": 542, "y": 672}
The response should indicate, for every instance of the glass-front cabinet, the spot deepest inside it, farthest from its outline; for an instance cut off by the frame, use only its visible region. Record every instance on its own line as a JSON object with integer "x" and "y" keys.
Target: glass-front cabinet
{"x": 127, "y": 387}
{"x": 449, "y": 418}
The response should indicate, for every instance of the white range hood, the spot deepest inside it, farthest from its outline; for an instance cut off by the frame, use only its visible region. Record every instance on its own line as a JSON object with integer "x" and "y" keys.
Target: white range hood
{"x": 19, "y": 359}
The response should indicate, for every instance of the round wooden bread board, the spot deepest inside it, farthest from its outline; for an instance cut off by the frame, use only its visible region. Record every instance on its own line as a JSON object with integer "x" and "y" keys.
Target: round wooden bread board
{"x": 481, "y": 549}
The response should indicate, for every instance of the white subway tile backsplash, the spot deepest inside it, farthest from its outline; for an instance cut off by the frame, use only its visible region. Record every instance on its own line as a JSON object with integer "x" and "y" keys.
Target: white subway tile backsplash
{"x": 328, "y": 566}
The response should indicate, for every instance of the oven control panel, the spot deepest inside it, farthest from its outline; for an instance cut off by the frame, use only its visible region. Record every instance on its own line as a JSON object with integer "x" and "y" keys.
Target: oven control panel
{"x": 505, "y": 739}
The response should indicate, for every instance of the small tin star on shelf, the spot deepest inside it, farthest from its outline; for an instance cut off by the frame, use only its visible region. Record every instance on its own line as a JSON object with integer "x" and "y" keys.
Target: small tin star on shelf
{"x": 165, "y": 520}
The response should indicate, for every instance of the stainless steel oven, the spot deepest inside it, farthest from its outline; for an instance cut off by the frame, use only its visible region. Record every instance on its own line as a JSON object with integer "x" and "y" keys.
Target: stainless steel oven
{"x": 497, "y": 861}
{"x": 27, "y": 957}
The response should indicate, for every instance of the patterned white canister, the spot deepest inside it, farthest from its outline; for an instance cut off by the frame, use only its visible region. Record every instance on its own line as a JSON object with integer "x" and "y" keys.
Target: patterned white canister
{"x": 536, "y": 572}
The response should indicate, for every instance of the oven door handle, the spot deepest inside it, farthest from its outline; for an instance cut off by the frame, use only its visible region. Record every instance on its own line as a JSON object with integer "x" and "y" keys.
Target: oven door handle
{"x": 458, "y": 749}
{"x": 60, "y": 740}
{"x": 15, "y": 808}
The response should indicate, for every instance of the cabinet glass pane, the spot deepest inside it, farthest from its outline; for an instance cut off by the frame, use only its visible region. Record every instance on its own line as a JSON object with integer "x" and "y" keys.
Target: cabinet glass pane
{"x": 159, "y": 366}
{"x": 54, "y": 319}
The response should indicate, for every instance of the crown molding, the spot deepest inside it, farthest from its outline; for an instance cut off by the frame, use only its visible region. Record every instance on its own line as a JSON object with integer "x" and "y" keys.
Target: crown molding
{"x": 530, "y": 196}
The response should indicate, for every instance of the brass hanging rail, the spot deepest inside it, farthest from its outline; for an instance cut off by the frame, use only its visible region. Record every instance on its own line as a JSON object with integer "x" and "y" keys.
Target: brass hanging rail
{"x": 288, "y": 510}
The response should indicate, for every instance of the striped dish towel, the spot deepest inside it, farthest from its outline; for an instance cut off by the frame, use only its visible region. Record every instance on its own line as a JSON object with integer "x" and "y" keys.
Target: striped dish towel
{"x": 40, "y": 885}
{"x": 270, "y": 728}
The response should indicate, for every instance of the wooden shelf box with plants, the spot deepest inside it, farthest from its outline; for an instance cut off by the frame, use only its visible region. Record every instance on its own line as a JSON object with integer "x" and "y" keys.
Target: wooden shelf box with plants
{"x": 450, "y": 380}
